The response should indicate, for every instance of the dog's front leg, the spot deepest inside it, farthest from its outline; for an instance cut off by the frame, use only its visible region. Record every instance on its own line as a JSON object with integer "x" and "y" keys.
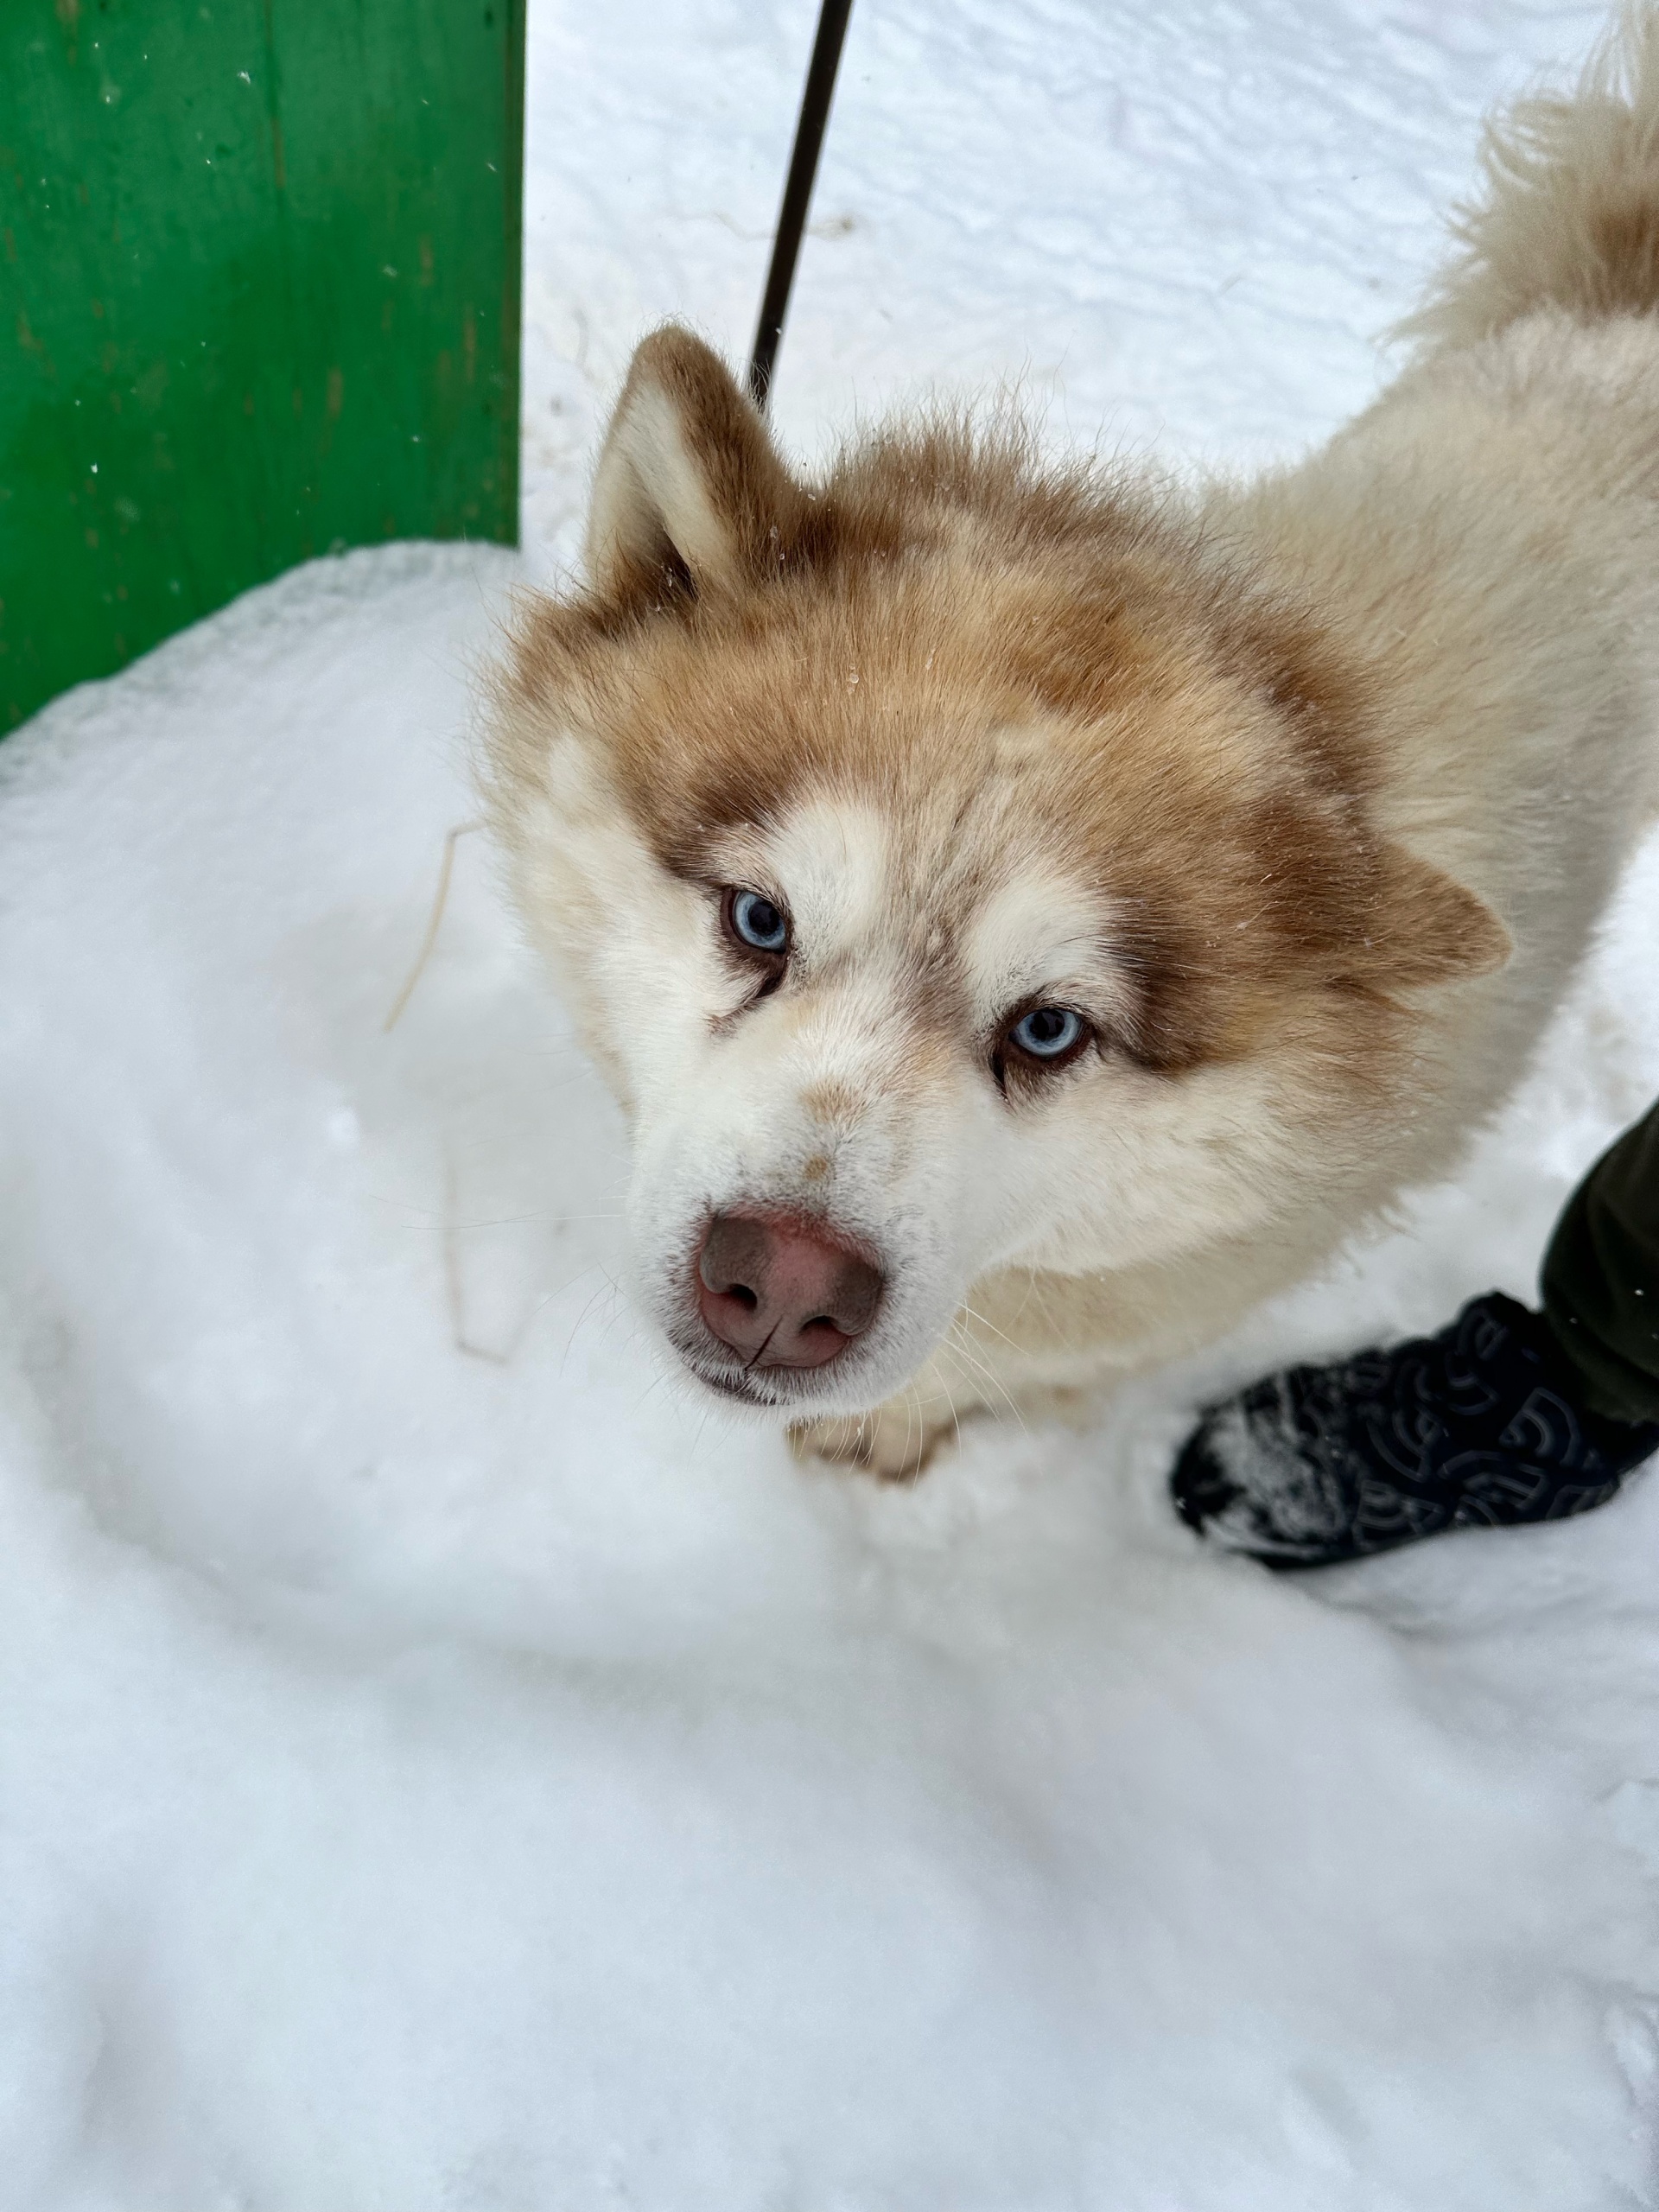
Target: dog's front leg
{"x": 896, "y": 1441}
{"x": 1028, "y": 1342}
{"x": 1006, "y": 1353}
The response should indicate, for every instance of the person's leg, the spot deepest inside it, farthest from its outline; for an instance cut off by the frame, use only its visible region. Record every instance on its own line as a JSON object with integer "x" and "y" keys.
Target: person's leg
{"x": 1600, "y": 1278}
{"x": 1505, "y": 1417}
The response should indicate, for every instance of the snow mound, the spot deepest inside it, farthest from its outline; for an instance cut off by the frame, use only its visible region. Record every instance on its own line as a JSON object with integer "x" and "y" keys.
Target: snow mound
{"x": 446, "y": 1765}
{"x": 441, "y": 1764}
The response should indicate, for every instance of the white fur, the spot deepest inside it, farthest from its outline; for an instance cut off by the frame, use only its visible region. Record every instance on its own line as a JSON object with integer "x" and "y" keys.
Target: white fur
{"x": 1490, "y": 533}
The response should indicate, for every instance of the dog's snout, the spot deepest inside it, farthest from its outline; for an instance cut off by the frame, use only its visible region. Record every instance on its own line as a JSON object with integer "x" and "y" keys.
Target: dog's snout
{"x": 781, "y": 1295}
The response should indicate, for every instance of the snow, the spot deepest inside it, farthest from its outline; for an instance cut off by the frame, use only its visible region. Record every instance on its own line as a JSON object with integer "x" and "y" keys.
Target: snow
{"x": 441, "y": 1764}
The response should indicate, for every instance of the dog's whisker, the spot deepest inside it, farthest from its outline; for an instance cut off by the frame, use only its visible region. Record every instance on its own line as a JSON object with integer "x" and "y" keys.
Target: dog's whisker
{"x": 960, "y": 1349}
{"x": 975, "y": 1316}
{"x": 609, "y": 1287}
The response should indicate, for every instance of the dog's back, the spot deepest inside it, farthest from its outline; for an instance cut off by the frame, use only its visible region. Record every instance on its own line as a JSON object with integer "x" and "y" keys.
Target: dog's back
{"x": 1488, "y": 535}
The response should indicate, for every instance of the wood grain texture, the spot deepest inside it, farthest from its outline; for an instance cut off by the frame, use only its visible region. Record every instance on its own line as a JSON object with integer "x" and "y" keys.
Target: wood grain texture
{"x": 259, "y": 301}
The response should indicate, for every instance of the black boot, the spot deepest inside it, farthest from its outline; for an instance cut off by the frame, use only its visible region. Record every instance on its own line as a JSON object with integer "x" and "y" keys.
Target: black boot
{"x": 1483, "y": 1426}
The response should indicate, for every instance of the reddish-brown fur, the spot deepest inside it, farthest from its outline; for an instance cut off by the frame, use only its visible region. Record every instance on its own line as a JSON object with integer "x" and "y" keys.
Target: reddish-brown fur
{"x": 1234, "y": 782}
{"x": 943, "y": 619}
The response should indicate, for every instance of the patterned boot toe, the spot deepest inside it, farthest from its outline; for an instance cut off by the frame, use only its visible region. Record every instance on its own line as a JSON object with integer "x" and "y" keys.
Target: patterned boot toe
{"x": 1481, "y": 1426}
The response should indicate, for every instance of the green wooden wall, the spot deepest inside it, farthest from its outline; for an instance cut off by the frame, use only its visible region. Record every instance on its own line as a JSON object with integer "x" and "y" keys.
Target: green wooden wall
{"x": 259, "y": 271}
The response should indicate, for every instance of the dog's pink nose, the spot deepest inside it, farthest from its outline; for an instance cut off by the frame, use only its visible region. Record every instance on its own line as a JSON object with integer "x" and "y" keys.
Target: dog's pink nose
{"x": 782, "y": 1294}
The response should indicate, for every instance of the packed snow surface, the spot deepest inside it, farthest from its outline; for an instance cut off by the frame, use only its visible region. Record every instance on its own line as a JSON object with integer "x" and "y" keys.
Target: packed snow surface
{"x": 441, "y": 1764}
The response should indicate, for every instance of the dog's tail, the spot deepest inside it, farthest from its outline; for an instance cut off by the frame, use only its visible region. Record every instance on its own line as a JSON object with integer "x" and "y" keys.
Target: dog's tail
{"x": 1570, "y": 215}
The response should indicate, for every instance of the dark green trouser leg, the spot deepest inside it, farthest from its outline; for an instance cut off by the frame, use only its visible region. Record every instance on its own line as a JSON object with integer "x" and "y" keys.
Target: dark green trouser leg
{"x": 1600, "y": 1277}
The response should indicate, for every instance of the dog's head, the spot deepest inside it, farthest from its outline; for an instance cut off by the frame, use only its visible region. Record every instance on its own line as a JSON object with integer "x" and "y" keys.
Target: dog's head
{"x": 952, "y": 866}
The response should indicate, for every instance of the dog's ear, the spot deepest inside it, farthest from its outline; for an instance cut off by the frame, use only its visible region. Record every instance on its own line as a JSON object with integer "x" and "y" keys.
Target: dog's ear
{"x": 689, "y": 494}
{"x": 1432, "y": 930}
{"x": 1420, "y": 925}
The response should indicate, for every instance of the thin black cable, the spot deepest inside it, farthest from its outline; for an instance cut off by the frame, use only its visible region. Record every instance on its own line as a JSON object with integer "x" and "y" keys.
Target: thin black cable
{"x": 797, "y": 191}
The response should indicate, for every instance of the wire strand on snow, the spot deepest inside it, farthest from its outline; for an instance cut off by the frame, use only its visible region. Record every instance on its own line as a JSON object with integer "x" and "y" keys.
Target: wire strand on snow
{"x": 434, "y": 922}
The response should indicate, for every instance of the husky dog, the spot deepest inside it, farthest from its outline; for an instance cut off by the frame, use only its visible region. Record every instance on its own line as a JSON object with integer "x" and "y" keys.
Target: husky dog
{"x": 1029, "y": 914}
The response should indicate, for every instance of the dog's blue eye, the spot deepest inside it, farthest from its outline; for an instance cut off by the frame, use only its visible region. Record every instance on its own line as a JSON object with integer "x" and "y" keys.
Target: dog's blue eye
{"x": 757, "y": 922}
{"x": 1047, "y": 1032}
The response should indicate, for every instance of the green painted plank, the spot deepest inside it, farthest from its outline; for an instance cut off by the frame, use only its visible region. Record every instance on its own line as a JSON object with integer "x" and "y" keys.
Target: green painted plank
{"x": 259, "y": 285}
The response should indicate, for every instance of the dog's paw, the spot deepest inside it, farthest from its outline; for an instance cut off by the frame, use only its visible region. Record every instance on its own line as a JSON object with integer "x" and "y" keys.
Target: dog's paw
{"x": 893, "y": 1444}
